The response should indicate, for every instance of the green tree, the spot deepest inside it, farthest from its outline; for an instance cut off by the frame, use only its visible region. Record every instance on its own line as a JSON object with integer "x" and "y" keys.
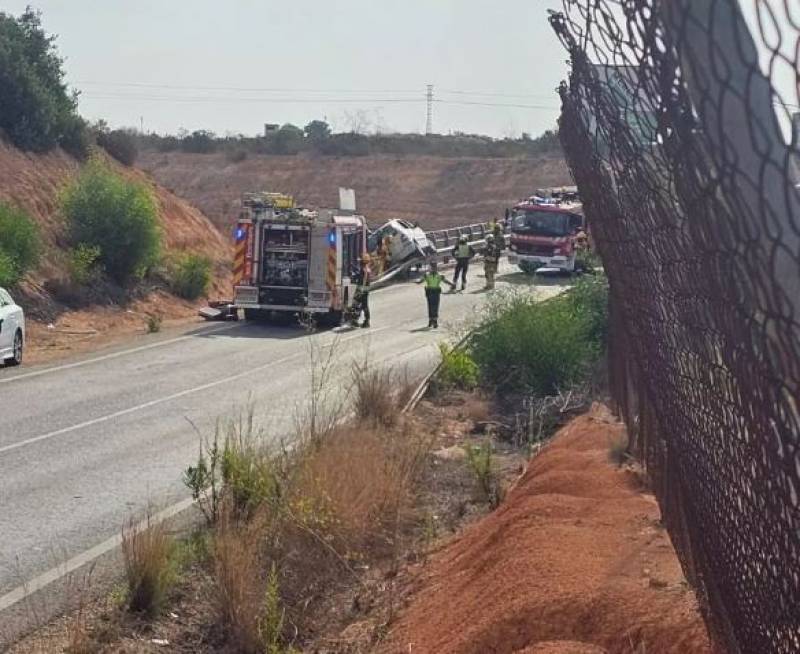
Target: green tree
{"x": 287, "y": 140}
{"x": 19, "y": 244}
{"x": 200, "y": 141}
{"x": 120, "y": 144}
{"x": 317, "y": 130}
{"x": 37, "y": 110}
{"x": 117, "y": 216}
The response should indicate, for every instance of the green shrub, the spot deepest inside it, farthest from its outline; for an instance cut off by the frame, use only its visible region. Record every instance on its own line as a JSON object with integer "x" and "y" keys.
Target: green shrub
{"x": 118, "y": 216}
{"x": 8, "y": 273}
{"x": 120, "y": 144}
{"x": 191, "y": 276}
{"x": 82, "y": 260}
{"x": 36, "y": 109}
{"x": 479, "y": 460}
{"x": 76, "y": 138}
{"x": 272, "y": 616}
{"x": 19, "y": 244}
{"x": 589, "y": 298}
{"x": 457, "y": 370}
{"x": 542, "y": 347}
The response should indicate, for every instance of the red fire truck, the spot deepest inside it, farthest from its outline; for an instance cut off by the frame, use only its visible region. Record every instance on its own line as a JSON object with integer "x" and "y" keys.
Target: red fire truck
{"x": 295, "y": 261}
{"x": 544, "y": 231}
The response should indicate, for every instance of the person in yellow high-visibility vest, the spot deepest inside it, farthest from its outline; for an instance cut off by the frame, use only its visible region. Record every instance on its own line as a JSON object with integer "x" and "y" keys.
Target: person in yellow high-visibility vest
{"x": 462, "y": 253}
{"x": 433, "y": 281}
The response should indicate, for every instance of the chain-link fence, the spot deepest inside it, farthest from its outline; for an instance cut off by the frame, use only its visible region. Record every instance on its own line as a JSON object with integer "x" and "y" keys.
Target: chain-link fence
{"x": 679, "y": 126}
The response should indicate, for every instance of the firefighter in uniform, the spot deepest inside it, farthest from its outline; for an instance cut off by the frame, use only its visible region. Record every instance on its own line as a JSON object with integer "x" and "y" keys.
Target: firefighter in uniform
{"x": 362, "y": 291}
{"x": 383, "y": 253}
{"x": 491, "y": 259}
{"x": 462, "y": 253}
{"x": 499, "y": 234}
{"x": 433, "y": 280}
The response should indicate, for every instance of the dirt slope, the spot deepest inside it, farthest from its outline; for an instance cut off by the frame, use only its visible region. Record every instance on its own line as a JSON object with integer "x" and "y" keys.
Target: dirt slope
{"x": 574, "y": 561}
{"x": 33, "y": 182}
{"x": 436, "y": 191}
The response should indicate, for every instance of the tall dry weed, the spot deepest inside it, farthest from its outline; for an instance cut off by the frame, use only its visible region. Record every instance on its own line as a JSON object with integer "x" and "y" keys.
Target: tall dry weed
{"x": 238, "y": 569}
{"x": 147, "y": 550}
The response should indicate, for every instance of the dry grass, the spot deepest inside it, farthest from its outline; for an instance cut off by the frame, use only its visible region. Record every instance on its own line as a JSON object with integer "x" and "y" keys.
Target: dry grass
{"x": 147, "y": 550}
{"x": 477, "y": 408}
{"x": 363, "y": 479}
{"x": 338, "y": 498}
{"x": 78, "y": 639}
{"x": 380, "y": 394}
{"x": 238, "y": 586}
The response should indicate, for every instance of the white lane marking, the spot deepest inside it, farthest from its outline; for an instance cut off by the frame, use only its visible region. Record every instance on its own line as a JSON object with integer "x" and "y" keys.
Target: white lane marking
{"x": 113, "y": 355}
{"x": 168, "y": 398}
{"x": 87, "y": 556}
{"x": 53, "y": 574}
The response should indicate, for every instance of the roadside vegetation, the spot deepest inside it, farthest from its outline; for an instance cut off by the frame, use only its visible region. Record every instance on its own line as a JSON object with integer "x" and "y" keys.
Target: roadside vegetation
{"x": 190, "y": 276}
{"x": 291, "y": 525}
{"x": 119, "y": 143}
{"x": 37, "y": 110}
{"x": 542, "y": 348}
{"x": 318, "y": 138}
{"x": 20, "y": 245}
{"x": 114, "y": 219}
{"x": 538, "y": 363}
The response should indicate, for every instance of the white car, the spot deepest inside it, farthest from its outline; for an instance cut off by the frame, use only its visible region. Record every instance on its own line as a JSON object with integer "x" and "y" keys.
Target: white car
{"x": 12, "y": 330}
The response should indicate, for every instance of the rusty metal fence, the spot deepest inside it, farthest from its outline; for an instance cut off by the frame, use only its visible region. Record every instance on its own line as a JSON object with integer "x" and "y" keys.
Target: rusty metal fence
{"x": 680, "y": 126}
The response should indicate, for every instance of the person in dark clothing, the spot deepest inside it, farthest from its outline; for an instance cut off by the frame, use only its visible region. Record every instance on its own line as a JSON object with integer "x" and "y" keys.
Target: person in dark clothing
{"x": 363, "y": 280}
{"x": 462, "y": 253}
{"x": 433, "y": 292}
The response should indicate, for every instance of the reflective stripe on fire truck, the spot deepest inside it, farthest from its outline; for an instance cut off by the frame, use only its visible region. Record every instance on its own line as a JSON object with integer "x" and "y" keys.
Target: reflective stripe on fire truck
{"x": 240, "y": 253}
{"x": 331, "y": 272}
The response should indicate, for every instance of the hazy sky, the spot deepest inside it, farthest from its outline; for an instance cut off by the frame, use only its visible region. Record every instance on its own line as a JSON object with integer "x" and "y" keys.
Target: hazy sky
{"x": 232, "y": 66}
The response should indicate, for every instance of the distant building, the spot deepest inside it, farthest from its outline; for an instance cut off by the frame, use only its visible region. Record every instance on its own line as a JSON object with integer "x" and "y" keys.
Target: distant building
{"x": 270, "y": 127}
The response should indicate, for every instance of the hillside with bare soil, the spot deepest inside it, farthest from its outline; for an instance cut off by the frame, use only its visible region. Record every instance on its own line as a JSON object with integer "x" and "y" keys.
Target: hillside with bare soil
{"x": 436, "y": 191}
{"x": 34, "y": 182}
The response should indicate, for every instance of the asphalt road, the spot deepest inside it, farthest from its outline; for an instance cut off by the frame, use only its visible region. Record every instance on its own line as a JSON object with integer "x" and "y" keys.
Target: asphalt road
{"x": 87, "y": 443}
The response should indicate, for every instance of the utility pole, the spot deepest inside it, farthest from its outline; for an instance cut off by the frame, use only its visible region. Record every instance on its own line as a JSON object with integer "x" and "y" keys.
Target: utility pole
{"x": 141, "y": 124}
{"x": 429, "y": 121}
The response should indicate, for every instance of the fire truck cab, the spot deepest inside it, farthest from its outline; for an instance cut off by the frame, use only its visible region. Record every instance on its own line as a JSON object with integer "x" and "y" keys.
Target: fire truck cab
{"x": 544, "y": 232}
{"x": 295, "y": 261}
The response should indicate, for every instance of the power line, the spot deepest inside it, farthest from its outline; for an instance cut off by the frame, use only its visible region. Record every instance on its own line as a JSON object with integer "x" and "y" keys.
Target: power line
{"x": 499, "y": 104}
{"x": 255, "y": 89}
{"x": 182, "y": 87}
{"x": 294, "y": 100}
{"x": 213, "y": 99}
{"x": 498, "y": 95}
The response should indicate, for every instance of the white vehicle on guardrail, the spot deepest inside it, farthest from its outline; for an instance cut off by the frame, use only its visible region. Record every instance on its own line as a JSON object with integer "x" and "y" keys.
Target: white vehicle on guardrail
{"x": 12, "y": 330}
{"x": 406, "y": 241}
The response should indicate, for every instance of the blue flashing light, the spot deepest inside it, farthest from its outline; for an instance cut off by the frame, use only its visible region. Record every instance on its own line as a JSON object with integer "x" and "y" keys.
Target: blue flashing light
{"x": 332, "y": 237}
{"x": 240, "y": 233}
